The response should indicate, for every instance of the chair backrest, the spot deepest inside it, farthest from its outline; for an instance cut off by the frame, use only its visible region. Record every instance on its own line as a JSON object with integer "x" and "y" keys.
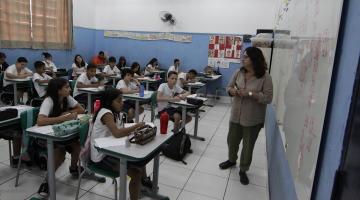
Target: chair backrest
{"x": 28, "y": 118}
{"x": 154, "y": 99}
{"x": 72, "y": 86}
{"x": 69, "y": 73}
{"x": 85, "y": 130}
{"x": 83, "y": 133}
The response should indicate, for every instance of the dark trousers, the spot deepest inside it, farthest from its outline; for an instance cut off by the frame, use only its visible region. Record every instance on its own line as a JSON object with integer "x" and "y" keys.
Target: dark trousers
{"x": 248, "y": 135}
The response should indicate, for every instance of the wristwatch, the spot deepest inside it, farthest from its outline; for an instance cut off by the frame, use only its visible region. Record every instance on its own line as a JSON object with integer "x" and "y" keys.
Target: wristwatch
{"x": 250, "y": 94}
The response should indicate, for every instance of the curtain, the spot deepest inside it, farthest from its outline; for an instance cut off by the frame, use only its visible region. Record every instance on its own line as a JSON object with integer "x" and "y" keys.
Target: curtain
{"x": 52, "y": 24}
{"x": 15, "y": 24}
{"x": 38, "y": 24}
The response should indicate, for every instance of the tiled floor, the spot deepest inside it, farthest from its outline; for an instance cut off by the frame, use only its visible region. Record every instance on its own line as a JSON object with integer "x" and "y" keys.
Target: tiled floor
{"x": 200, "y": 179}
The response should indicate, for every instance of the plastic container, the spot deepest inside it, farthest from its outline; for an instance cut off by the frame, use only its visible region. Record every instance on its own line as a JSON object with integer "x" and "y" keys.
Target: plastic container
{"x": 164, "y": 120}
{"x": 96, "y": 105}
{"x": 141, "y": 92}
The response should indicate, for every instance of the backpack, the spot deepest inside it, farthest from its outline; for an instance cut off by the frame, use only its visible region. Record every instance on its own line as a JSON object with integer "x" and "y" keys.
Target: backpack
{"x": 177, "y": 146}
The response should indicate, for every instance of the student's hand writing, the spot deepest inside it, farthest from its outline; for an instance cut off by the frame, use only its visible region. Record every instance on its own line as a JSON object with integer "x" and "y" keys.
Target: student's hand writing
{"x": 141, "y": 124}
{"x": 69, "y": 116}
{"x": 177, "y": 98}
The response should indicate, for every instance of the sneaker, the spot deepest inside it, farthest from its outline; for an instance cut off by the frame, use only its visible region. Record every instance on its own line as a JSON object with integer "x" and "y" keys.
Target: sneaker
{"x": 146, "y": 181}
{"x": 44, "y": 190}
{"x": 75, "y": 171}
{"x": 227, "y": 164}
{"x": 243, "y": 178}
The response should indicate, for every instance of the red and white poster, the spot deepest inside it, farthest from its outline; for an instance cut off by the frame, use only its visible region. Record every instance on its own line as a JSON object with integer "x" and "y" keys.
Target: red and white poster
{"x": 224, "y": 49}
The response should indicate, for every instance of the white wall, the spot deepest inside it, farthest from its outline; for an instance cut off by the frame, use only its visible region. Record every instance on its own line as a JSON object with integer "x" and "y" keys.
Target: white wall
{"x": 84, "y": 13}
{"x": 194, "y": 16}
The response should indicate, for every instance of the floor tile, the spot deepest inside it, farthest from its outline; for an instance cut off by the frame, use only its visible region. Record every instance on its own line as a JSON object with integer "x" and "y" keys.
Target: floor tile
{"x": 235, "y": 190}
{"x": 211, "y": 166}
{"x": 206, "y": 184}
{"x": 93, "y": 196}
{"x": 257, "y": 176}
{"x": 28, "y": 185}
{"x": 173, "y": 176}
{"x": 7, "y": 173}
{"x": 185, "y": 195}
{"x": 191, "y": 159}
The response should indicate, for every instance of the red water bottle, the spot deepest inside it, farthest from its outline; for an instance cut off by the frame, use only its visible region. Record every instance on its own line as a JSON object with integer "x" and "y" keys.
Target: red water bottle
{"x": 164, "y": 119}
{"x": 96, "y": 105}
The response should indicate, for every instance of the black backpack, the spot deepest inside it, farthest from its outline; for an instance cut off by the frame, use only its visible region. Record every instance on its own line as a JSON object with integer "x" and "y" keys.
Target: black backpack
{"x": 177, "y": 146}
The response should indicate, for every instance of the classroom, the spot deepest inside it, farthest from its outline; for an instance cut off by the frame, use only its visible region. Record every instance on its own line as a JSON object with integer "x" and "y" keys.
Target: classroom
{"x": 180, "y": 100}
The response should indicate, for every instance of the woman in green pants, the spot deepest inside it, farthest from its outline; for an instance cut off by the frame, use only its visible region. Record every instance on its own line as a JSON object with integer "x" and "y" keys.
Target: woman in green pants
{"x": 251, "y": 88}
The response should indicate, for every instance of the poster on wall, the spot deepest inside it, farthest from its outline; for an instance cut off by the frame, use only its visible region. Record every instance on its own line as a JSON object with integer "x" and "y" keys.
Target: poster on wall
{"x": 224, "y": 49}
{"x": 149, "y": 36}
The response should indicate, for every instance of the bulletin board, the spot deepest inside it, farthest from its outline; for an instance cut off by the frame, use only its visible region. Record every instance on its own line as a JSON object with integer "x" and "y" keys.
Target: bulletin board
{"x": 224, "y": 49}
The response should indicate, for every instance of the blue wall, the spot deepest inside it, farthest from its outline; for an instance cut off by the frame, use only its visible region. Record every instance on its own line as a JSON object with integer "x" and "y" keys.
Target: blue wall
{"x": 88, "y": 42}
{"x": 192, "y": 55}
{"x": 341, "y": 100}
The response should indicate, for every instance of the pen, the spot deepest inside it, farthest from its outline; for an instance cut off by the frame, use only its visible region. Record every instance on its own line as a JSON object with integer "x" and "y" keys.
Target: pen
{"x": 143, "y": 118}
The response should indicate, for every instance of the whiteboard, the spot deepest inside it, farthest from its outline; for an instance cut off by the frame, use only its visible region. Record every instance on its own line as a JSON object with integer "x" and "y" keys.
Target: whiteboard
{"x": 301, "y": 69}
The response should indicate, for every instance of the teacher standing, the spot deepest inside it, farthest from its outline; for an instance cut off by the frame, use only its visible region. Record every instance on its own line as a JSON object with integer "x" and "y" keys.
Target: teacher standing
{"x": 251, "y": 88}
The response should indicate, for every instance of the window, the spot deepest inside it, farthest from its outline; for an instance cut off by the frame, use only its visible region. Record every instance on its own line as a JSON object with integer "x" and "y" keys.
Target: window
{"x": 37, "y": 24}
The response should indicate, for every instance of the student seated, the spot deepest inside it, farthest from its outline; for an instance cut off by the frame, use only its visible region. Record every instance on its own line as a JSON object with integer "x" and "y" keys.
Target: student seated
{"x": 208, "y": 70}
{"x": 122, "y": 63}
{"x": 40, "y": 77}
{"x": 170, "y": 91}
{"x": 3, "y": 63}
{"x": 185, "y": 78}
{"x": 152, "y": 65}
{"x": 17, "y": 71}
{"x": 86, "y": 80}
{"x": 111, "y": 69}
{"x": 58, "y": 107}
{"x": 135, "y": 67}
{"x": 99, "y": 60}
{"x": 106, "y": 124}
{"x": 78, "y": 67}
{"x": 49, "y": 64}
{"x": 129, "y": 85}
{"x": 175, "y": 67}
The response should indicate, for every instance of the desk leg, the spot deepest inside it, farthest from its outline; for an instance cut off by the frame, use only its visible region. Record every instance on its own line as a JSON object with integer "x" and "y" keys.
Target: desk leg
{"x": 189, "y": 89}
{"x": 89, "y": 102}
{"x": 51, "y": 169}
{"x": 114, "y": 81}
{"x": 195, "y": 136}
{"x": 15, "y": 94}
{"x": 137, "y": 105}
{"x": 123, "y": 173}
{"x": 147, "y": 86}
{"x": 183, "y": 115}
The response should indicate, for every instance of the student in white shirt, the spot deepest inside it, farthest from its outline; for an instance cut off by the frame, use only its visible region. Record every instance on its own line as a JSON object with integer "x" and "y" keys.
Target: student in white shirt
{"x": 111, "y": 69}
{"x": 17, "y": 71}
{"x": 49, "y": 64}
{"x": 170, "y": 91}
{"x": 185, "y": 78}
{"x": 122, "y": 63}
{"x": 78, "y": 67}
{"x": 135, "y": 67}
{"x": 175, "y": 67}
{"x": 40, "y": 77}
{"x": 151, "y": 66}
{"x": 129, "y": 85}
{"x": 106, "y": 124}
{"x": 58, "y": 107}
{"x": 86, "y": 80}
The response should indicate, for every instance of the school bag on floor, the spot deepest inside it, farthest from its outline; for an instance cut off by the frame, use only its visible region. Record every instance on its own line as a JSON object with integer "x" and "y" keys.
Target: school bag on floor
{"x": 177, "y": 146}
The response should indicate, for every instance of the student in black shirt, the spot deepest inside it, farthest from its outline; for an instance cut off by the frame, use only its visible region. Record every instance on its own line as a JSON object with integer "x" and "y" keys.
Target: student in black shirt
{"x": 3, "y": 63}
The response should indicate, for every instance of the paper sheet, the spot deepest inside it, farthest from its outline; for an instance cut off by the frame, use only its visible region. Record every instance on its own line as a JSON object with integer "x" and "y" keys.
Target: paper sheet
{"x": 109, "y": 141}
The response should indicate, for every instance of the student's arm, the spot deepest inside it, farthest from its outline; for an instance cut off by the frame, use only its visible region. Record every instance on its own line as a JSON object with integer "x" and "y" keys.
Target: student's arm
{"x": 108, "y": 120}
{"x": 161, "y": 97}
{"x": 128, "y": 91}
{"x": 44, "y": 120}
{"x": 42, "y": 81}
{"x": 78, "y": 109}
{"x": 92, "y": 85}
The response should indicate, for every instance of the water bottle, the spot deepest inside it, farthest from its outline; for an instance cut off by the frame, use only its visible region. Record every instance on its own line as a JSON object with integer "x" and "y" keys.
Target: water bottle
{"x": 96, "y": 105}
{"x": 164, "y": 119}
{"x": 141, "y": 92}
